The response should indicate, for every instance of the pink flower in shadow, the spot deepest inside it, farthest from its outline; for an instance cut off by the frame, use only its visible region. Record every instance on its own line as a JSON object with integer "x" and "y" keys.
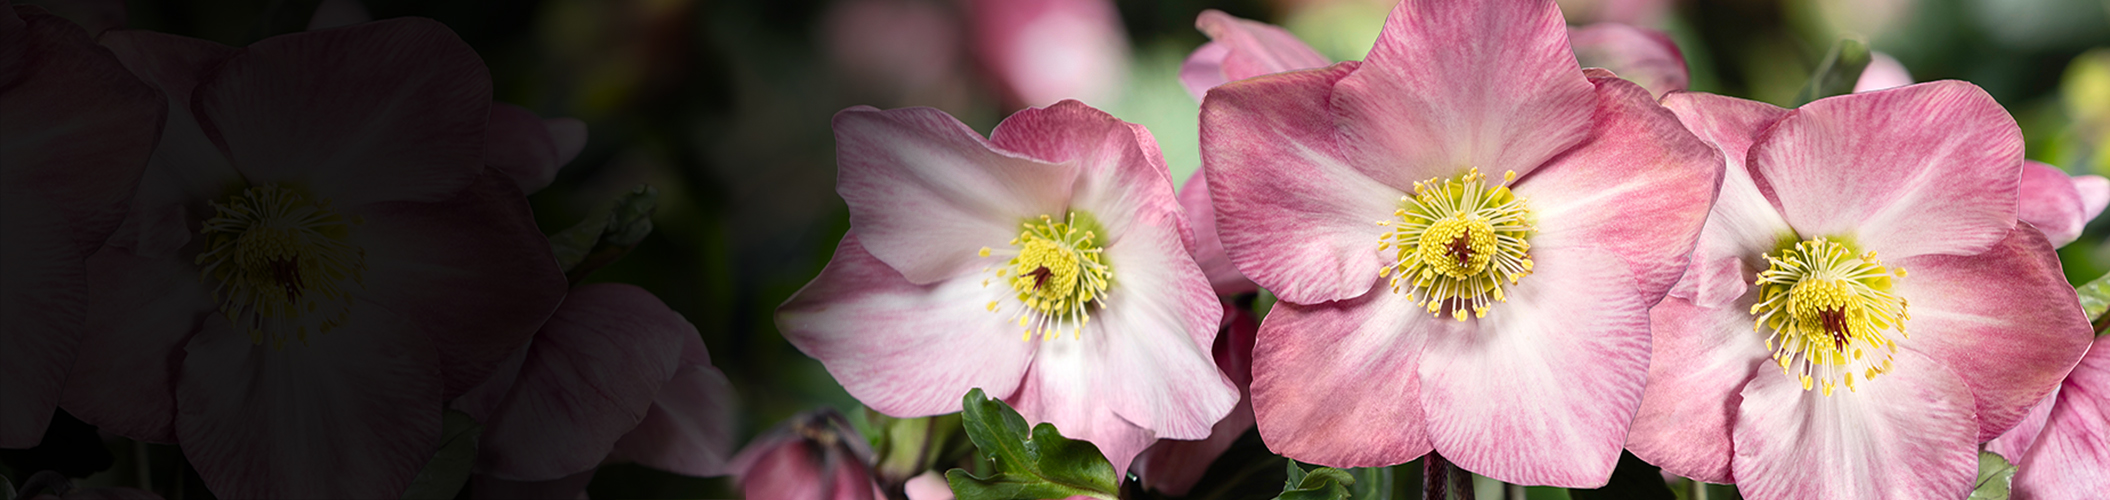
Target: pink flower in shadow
{"x": 814, "y": 455}
{"x": 1042, "y": 51}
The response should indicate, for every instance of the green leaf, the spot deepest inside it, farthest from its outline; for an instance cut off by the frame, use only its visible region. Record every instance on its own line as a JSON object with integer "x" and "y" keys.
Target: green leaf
{"x": 1028, "y": 465}
{"x": 2095, "y": 297}
{"x": 449, "y": 469}
{"x": 1324, "y": 483}
{"x": 1837, "y": 74}
{"x": 1995, "y": 476}
{"x": 606, "y": 234}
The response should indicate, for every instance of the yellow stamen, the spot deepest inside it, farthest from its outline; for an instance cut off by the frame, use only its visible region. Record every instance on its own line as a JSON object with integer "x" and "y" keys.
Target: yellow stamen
{"x": 1455, "y": 243}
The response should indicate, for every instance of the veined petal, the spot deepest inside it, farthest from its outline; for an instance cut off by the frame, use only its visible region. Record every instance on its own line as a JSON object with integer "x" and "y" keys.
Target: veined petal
{"x": 1119, "y": 170}
{"x": 1644, "y": 56}
{"x": 1453, "y": 84}
{"x": 1062, "y": 389}
{"x": 904, "y": 349}
{"x": 1152, "y": 362}
{"x": 925, "y": 192}
{"x": 142, "y": 311}
{"x": 1931, "y": 168}
{"x": 2069, "y": 459}
{"x": 1335, "y": 383}
{"x": 1542, "y": 390}
{"x": 1906, "y": 435}
{"x": 186, "y": 167}
{"x": 2051, "y": 200}
{"x": 1701, "y": 359}
{"x": 1254, "y": 48}
{"x": 1208, "y": 247}
{"x": 1639, "y": 188}
{"x": 2014, "y": 443}
{"x": 1173, "y": 466}
{"x": 1742, "y": 225}
{"x": 2005, "y": 321}
{"x": 1204, "y": 69}
{"x": 691, "y": 428}
{"x": 1294, "y": 214}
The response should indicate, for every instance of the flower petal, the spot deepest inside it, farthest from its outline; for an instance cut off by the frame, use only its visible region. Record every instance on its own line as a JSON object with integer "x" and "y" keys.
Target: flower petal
{"x": 926, "y": 193}
{"x": 2051, "y": 200}
{"x": 2005, "y": 321}
{"x": 42, "y": 293}
{"x": 1700, "y": 361}
{"x": 1541, "y": 391}
{"x": 1119, "y": 169}
{"x": 2014, "y": 443}
{"x": 1173, "y": 466}
{"x": 1458, "y": 83}
{"x": 470, "y": 271}
{"x": 1931, "y": 168}
{"x": 589, "y": 377}
{"x": 1204, "y": 69}
{"x": 1883, "y": 72}
{"x": 1293, "y": 213}
{"x": 518, "y": 144}
{"x": 1640, "y": 189}
{"x": 2069, "y": 459}
{"x": 1644, "y": 56}
{"x": 1061, "y": 389}
{"x": 693, "y": 422}
{"x": 1742, "y": 225}
{"x": 248, "y": 413}
{"x": 1335, "y": 383}
{"x": 1150, "y": 360}
{"x": 142, "y": 311}
{"x": 1908, "y": 434}
{"x": 186, "y": 168}
{"x": 387, "y": 110}
{"x": 1208, "y": 246}
{"x": 1248, "y": 49}
{"x": 897, "y": 346}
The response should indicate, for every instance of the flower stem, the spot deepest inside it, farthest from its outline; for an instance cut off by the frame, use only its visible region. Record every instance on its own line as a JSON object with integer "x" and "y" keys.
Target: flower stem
{"x": 1439, "y": 476}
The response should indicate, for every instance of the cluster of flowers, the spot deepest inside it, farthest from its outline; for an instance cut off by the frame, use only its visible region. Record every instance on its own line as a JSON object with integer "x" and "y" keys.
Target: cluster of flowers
{"x": 292, "y": 259}
{"x": 1487, "y": 251}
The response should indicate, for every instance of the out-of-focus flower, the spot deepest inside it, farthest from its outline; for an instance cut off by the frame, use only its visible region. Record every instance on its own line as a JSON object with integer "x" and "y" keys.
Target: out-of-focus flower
{"x": 1634, "y": 12}
{"x": 1047, "y": 264}
{"x": 813, "y": 455}
{"x": 1641, "y": 55}
{"x": 1174, "y": 466}
{"x": 1883, "y": 72}
{"x": 1798, "y": 357}
{"x": 1242, "y": 48}
{"x": 903, "y": 49}
{"x": 1500, "y": 321}
{"x": 76, "y": 130}
{"x": 1043, "y": 51}
{"x": 613, "y": 376}
{"x": 2059, "y": 447}
{"x": 928, "y": 486}
{"x": 2058, "y": 204}
{"x": 317, "y": 244}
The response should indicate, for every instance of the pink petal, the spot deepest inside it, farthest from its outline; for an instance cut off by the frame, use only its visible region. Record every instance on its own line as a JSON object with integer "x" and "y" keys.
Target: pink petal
{"x": 186, "y": 167}
{"x": 471, "y": 271}
{"x": 693, "y": 422}
{"x": 897, "y": 346}
{"x": 1043, "y": 51}
{"x": 569, "y": 134}
{"x": 1742, "y": 225}
{"x": 928, "y": 486}
{"x": 1294, "y": 214}
{"x": 1459, "y": 83}
{"x": 1204, "y": 69}
{"x": 570, "y": 487}
{"x": 589, "y": 377}
{"x": 2014, "y": 443}
{"x": 926, "y": 193}
{"x": 388, "y": 110}
{"x": 814, "y": 455}
{"x": 1907, "y": 434}
{"x": 1148, "y": 353}
{"x": 249, "y": 416}
{"x": 2070, "y": 459}
{"x": 1700, "y": 361}
{"x": 1639, "y": 189}
{"x": 1244, "y": 49}
{"x": 76, "y": 130}
{"x": 1645, "y": 56}
{"x": 1335, "y": 383}
{"x": 1060, "y": 390}
{"x": 2051, "y": 200}
{"x": 1173, "y": 466}
{"x": 1208, "y": 247}
{"x": 1883, "y": 72}
{"x": 2005, "y": 321}
{"x": 143, "y": 310}
{"x": 1931, "y": 168}
{"x": 518, "y": 144}
{"x": 1542, "y": 390}
{"x": 1119, "y": 169}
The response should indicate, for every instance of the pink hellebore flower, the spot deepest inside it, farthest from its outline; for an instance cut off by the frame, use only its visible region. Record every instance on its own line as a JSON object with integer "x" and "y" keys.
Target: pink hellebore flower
{"x": 814, "y": 455}
{"x": 317, "y": 244}
{"x": 2062, "y": 448}
{"x": 1863, "y": 307}
{"x": 75, "y": 133}
{"x": 1174, "y": 466}
{"x": 1043, "y": 51}
{"x": 613, "y": 375}
{"x": 1644, "y": 56}
{"x": 1466, "y": 233}
{"x": 1047, "y": 265}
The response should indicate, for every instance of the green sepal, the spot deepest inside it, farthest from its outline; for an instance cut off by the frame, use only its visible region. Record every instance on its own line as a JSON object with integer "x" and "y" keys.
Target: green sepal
{"x": 905, "y": 447}
{"x": 1324, "y": 483}
{"x": 606, "y": 234}
{"x": 450, "y": 466}
{"x": 1995, "y": 477}
{"x": 1027, "y": 465}
{"x": 1838, "y": 73}
{"x": 2095, "y": 297}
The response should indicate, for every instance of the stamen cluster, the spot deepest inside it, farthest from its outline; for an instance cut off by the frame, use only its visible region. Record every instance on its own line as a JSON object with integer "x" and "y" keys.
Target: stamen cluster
{"x": 282, "y": 262}
{"x": 1059, "y": 273}
{"x": 1827, "y": 310}
{"x": 1456, "y": 241}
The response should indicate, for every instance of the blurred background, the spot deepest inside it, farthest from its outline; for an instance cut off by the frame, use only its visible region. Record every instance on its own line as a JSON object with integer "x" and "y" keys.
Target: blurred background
{"x": 724, "y": 107}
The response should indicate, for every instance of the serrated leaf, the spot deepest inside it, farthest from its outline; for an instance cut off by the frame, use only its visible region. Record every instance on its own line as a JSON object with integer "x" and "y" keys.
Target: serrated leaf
{"x": 1995, "y": 477}
{"x": 1838, "y": 73}
{"x": 450, "y": 466}
{"x": 606, "y": 234}
{"x": 1324, "y": 483}
{"x": 2095, "y": 297}
{"x": 1028, "y": 464}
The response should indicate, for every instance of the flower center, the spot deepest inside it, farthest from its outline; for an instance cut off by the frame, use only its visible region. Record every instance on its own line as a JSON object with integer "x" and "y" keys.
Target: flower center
{"x": 1058, "y": 272}
{"x": 1456, "y": 241}
{"x": 1827, "y": 311}
{"x": 282, "y": 263}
